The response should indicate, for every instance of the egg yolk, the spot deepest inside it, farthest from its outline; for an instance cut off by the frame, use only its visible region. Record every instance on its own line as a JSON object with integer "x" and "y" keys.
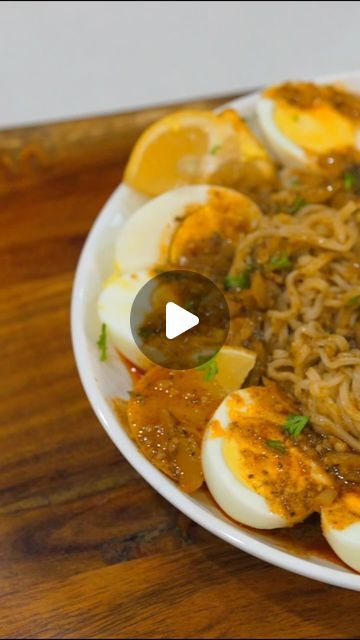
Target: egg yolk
{"x": 261, "y": 456}
{"x": 207, "y": 235}
{"x": 319, "y": 129}
{"x": 343, "y": 512}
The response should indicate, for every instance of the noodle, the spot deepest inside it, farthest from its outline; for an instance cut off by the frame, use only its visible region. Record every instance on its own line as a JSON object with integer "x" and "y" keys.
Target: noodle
{"x": 312, "y": 326}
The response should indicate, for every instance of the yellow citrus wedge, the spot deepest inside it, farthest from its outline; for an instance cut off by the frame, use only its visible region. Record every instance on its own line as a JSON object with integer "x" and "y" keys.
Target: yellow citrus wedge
{"x": 194, "y": 147}
{"x": 233, "y": 366}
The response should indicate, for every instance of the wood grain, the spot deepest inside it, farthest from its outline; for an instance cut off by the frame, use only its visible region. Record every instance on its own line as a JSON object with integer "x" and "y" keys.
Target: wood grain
{"x": 87, "y": 548}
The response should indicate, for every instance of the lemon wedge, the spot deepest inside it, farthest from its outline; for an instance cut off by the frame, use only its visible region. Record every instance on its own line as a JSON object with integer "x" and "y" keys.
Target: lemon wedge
{"x": 193, "y": 147}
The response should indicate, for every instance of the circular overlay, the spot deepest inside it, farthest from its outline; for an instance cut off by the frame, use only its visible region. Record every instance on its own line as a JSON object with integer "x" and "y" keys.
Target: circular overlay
{"x": 170, "y": 303}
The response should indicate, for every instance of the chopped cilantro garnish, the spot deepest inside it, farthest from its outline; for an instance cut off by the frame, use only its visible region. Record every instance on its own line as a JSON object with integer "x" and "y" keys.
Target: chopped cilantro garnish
{"x": 295, "y": 424}
{"x": 209, "y": 368}
{"x": 354, "y": 301}
{"x": 280, "y": 260}
{"x": 349, "y": 180}
{"x": 298, "y": 203}
{"x": 215, "y": 149}
{"x": 242, "y": 281}
{"x": 102, "y": 342}
{"x": 276, "y": 444}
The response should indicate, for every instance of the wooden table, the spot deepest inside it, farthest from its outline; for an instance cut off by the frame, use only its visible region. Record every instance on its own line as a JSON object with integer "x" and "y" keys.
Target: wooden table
{"x": 87, "y": 548}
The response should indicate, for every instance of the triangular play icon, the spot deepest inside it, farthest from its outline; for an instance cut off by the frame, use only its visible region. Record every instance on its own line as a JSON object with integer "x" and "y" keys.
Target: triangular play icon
{"x": 178, "y": 320}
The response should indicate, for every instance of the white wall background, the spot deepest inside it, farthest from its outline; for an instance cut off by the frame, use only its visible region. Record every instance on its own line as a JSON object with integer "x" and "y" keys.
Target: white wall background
{"x": 64, "y": 59}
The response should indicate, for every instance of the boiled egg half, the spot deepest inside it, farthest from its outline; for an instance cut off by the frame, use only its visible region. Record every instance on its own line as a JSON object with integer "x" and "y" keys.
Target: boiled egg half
{"x": 157, "y": 232}
{"x": 114, "y": 309}
{"x": 341, "y": 527}
{"x": 302, "y": 121}
{"x": 256, "y": 473}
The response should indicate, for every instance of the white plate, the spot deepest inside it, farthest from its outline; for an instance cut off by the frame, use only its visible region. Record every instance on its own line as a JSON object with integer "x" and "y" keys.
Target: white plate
{"x": 102, "y": 381}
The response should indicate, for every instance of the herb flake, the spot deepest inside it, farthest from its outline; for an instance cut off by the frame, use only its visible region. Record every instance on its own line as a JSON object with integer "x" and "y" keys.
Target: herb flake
{"x": 102, "y": 342}
{"x": 298, "y": 203}
{"x": 349, "y": 180}
{"x": 295, "y": 424}
{"x": 214, "y": 150}
{"x": 242, "y": 281}
{"x": 354, "y": 302}
{"x": 209, "y": 368}
{"x": 276, "y": 444}
{"x": 278, "y": 261}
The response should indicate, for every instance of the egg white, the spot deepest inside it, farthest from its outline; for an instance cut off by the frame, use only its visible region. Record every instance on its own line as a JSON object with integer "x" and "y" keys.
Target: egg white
{"x": 288, "y": 152}
{"x": 345, "y": 542}
{"x": 145, "y": 236}
{"x": 285, "y": 150}
{"x": 256, "y": 412}
{"x": 114, "y": 308}
{"x": 233, "y": 496}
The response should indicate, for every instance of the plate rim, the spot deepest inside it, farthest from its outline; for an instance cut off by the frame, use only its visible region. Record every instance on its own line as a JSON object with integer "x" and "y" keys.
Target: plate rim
{"x": 112, "y": 425}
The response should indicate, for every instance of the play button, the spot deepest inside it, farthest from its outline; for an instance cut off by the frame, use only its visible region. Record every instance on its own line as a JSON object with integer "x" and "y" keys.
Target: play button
{"x": 179, "y": 319}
